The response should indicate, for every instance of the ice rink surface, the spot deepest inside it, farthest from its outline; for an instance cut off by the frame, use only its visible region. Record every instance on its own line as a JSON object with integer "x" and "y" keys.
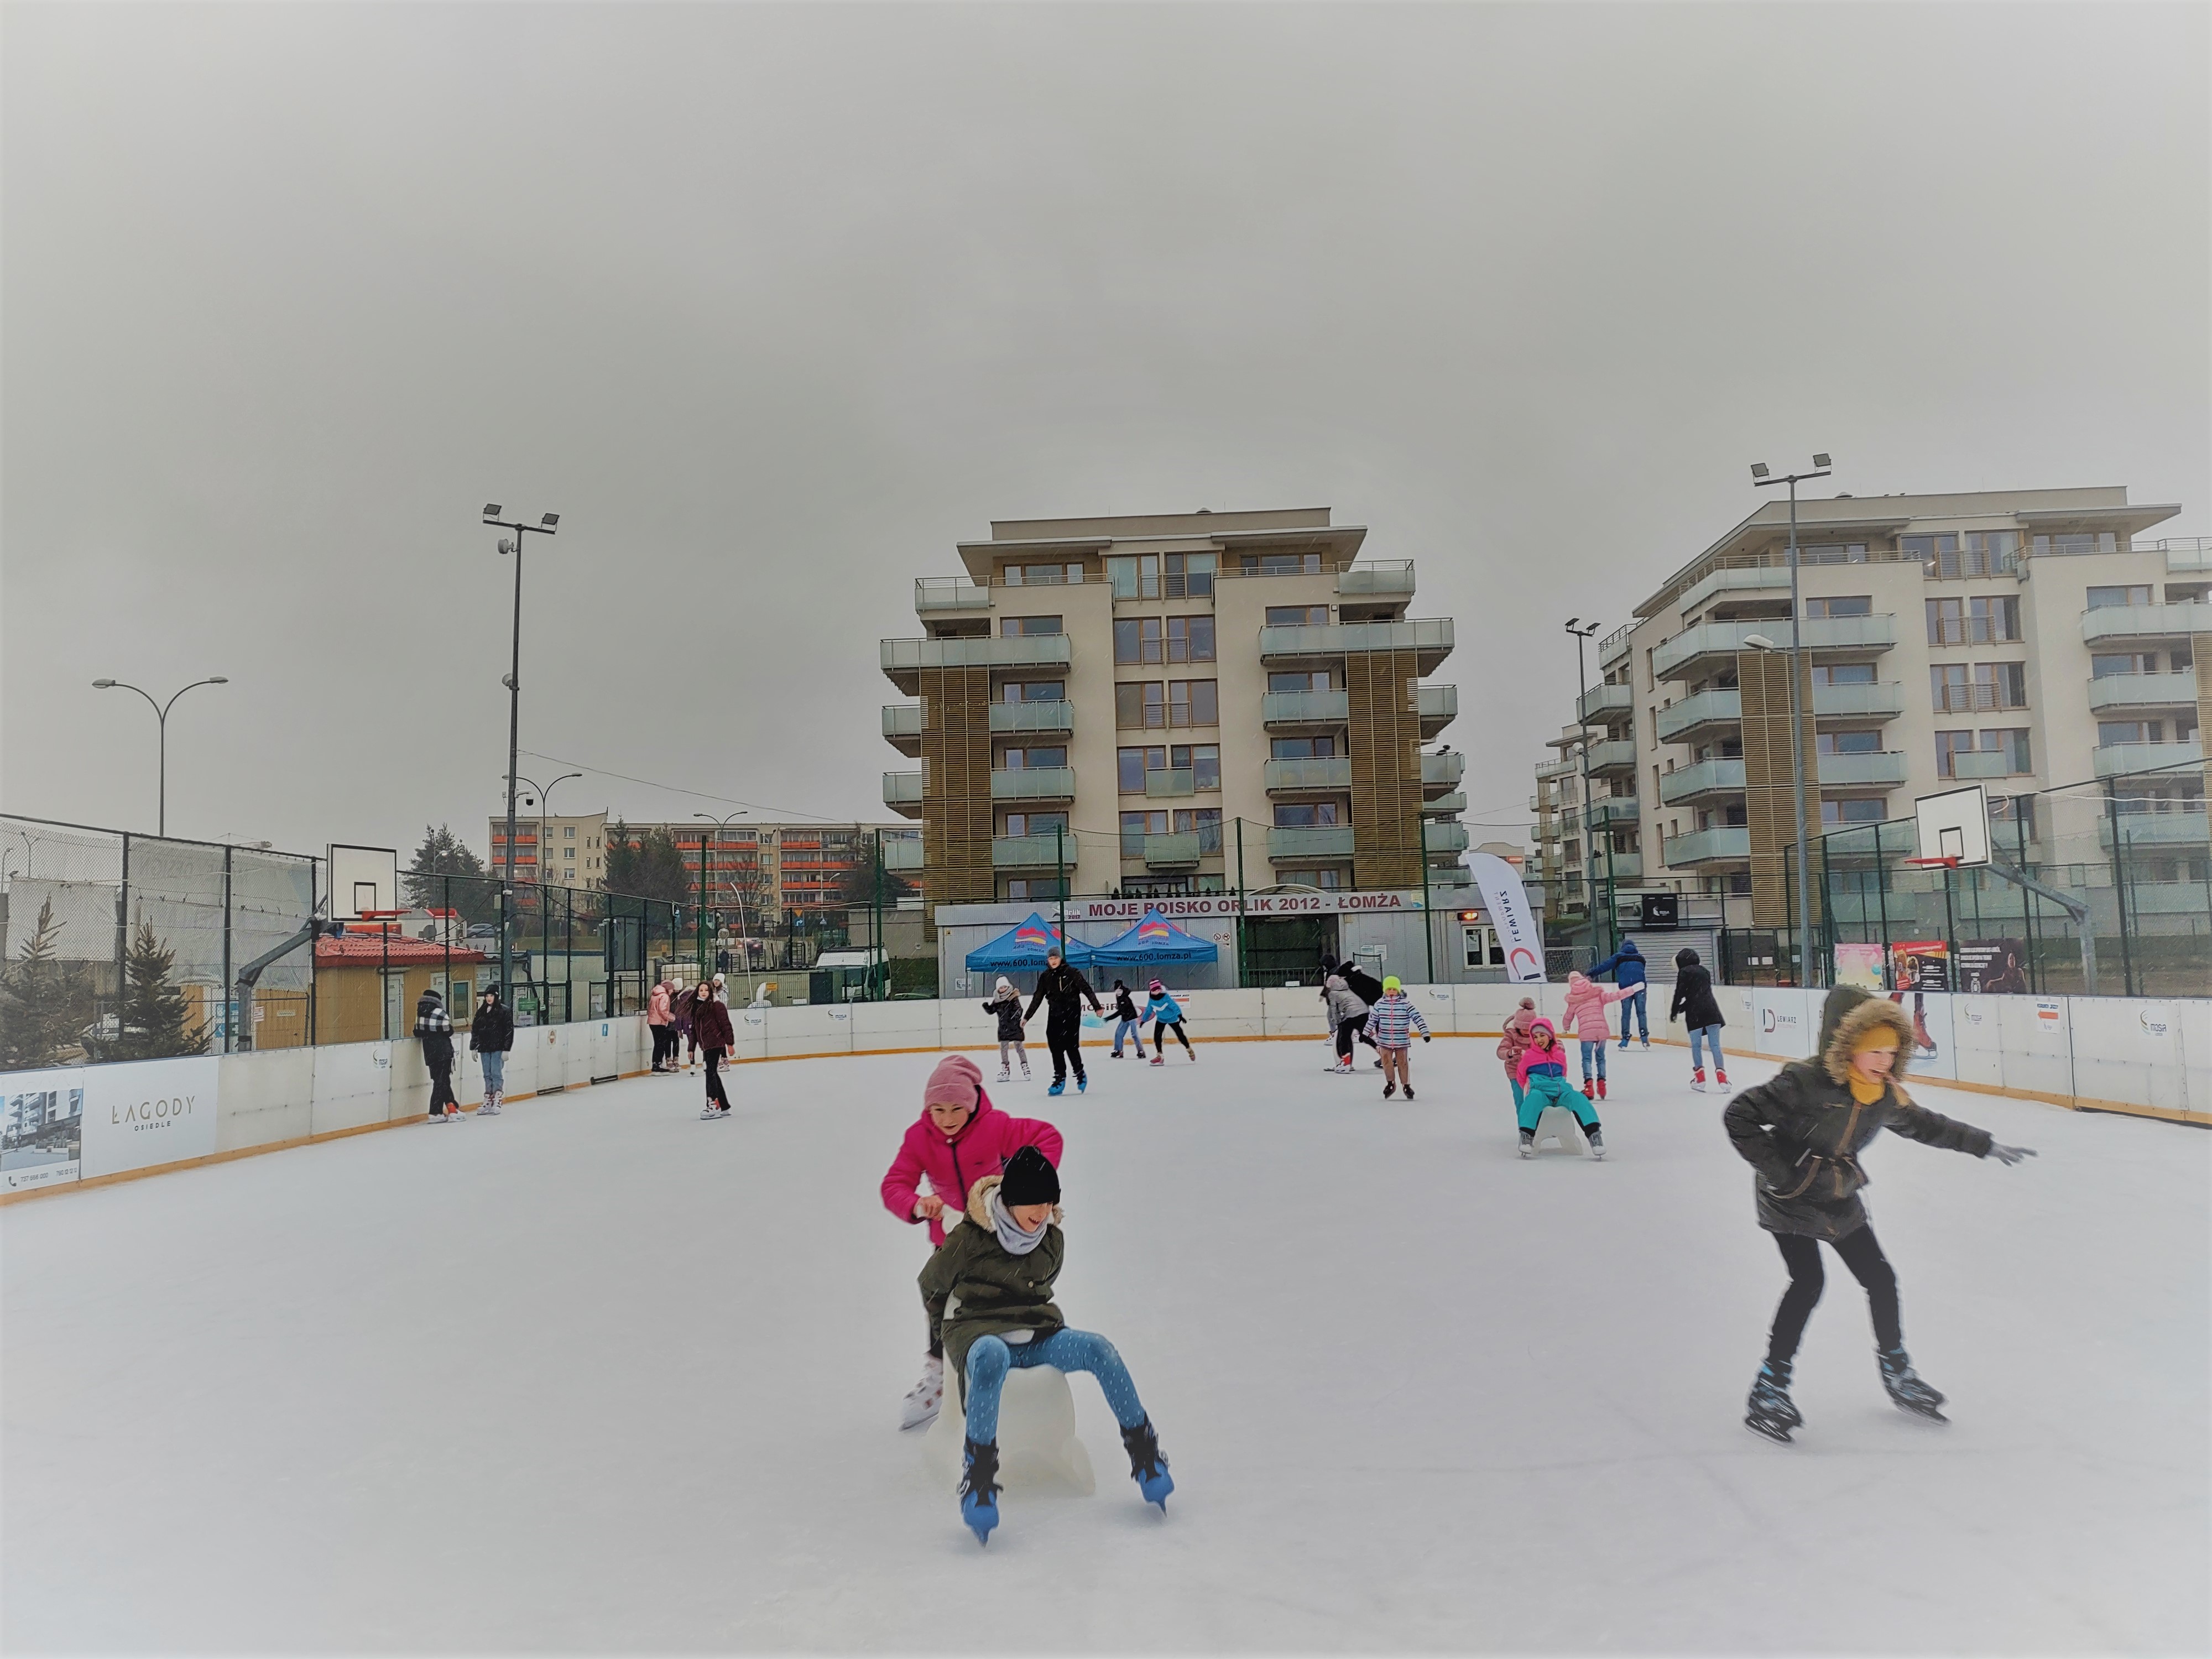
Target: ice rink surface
{"x": 598, "y": 1375}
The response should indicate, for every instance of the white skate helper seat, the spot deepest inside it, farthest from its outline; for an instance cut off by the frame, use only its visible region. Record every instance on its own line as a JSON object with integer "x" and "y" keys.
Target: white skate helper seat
{"x": 1557, "y": 1123}
{"x": 1037, "y": 1447}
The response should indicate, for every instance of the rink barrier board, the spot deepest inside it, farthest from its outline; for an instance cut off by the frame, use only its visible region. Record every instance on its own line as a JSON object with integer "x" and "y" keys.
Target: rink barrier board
{"x": 2058, "y": 1051}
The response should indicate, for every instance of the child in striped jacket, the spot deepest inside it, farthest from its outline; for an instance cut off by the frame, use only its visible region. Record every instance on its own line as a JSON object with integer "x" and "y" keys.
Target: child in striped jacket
{"x": 1391, "y": 1023}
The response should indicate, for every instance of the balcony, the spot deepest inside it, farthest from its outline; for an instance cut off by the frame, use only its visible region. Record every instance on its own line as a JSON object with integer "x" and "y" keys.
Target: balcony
{"x": 1179, "y": 851}
{"x": 1380, "y": 578}
{"x": 1766, "y": 581}
{"x": 1700, "y": 716}
{"x": 1169, "y": 782}
{"x": 903, "y": 793}
{"x": 1627, "y": 866}
{"x": 1309, "y": 846}
{"x": 2143, "y": 691}
{"x": 2145, "y": 830}
{"x": 1702, "y": 781}
{"x": 902, "y": 726}
{"x": 1729, "y": 844}
{"x": 1031, "y": 852}
{"x": 1443, "y": 838}
{"x": 1884, "y": 768}
{"x": 1443, "y": 772}
{"x": 1439, "y": 708}
{"x": 903, "y": 661}
{"x": 935, "y": 595}
{"x": 1614, "y": 646}
{"x": 1615, "y": 809}
{"x": 2117, "y": 759}
{"x": 1606, "y": 759}
{"x": 1033, "y": 783}
{"x": 1446, "y": 806}
{"x": 1977, "y": 766}
{"x": 1601, "y": 704}
{"x": 1429, "y": 638}
{"x": 1330, "y": 775}
{"x": 1057, "y": 719}
{"x": 1286, "y": 710}
{"x": 2147, "y": 622}
{"x": 1977, "y": 699}
{"x": 1883, "y": 699}
{"x": 2185, "y": 554}
{"x": 902, "y": 853}
{"x": 1696, "y": 651}
{"x": 1545, "y": 774}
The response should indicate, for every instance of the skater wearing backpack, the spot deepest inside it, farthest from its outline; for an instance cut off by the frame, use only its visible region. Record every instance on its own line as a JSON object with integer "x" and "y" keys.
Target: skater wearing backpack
{"x": 1166, "y": 1015}
{"x": 1063, "y": 992}
{"x": 1520, "y": 1027}
{"x": 1391, "y": 1023}
{"x": 1696, "y": 1007}
{"x": 1541, "y": 1072}
{"x": 1628, "y": 967}
{"x": 960, "y": 1137}
{"x": 990, "y": 1296}
{"x": 1802, "y": 1132}
{"x": 1126, "y": 1020}
{"x": 1007, "y": 1003}
{"x": 1587, "y": 1001}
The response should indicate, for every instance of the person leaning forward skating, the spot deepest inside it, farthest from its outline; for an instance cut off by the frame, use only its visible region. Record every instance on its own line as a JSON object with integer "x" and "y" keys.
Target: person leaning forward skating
{"x": 1063, "y": 992}
{"x": 990, "y": 1296}
{"x": 1802, "y": 1132}
{"x": 960, "y": 1137}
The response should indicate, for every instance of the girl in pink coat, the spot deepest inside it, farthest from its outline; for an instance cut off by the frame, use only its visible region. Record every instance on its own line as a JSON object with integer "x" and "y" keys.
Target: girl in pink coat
{"x": 1520, "y": 1029}
{"x": 1587, "y": 1001}
{"x": 959, "y": 1139}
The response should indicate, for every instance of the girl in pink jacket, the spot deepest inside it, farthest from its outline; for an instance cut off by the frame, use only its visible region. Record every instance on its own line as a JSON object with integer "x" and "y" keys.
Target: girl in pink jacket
{"x": 959, "y": 1139}
{"x": 1520, "y": 1027}
{"x": 1587, "y": 1001}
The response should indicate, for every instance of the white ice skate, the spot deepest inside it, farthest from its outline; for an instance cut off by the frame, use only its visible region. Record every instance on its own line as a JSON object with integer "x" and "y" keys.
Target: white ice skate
{"x": 1004, "y": 1076}
{"x": 713, "y": 1114}
{"x": 922, "y": 1400}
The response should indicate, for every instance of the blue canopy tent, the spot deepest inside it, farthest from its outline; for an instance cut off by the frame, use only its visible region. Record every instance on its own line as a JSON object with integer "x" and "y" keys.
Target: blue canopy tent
{"x": 1021, "y": 950}
{"x": 1155, "y": 942}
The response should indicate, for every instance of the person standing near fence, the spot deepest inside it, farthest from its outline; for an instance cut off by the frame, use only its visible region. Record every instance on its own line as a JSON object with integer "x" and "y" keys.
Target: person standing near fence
{"x": 657, "y": 1018}
{"x": 435, "y": 1033}
{"x": 491, "y": 1034}
{"x": 711, "y": 1029}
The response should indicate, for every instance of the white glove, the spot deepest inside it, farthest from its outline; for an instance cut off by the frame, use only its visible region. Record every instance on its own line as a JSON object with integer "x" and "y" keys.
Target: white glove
{"x": 2005, "y": 1154}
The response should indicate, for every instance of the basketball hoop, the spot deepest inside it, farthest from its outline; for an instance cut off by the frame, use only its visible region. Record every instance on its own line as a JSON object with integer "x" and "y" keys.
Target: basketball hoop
{"x": 1943, "y": 861}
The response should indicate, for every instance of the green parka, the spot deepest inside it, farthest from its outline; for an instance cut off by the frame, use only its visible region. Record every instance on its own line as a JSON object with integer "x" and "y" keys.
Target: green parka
{"x": 975, "y": 1286}
{"x": 1803, "y": 1131}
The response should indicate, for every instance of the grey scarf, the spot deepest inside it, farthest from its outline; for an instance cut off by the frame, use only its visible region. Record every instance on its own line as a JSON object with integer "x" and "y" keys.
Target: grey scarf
{"x": 1015, "y": 1240}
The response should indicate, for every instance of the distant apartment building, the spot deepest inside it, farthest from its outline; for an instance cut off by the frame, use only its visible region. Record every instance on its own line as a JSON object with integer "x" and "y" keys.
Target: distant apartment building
{"x": 1170, "y": 704}
{"x": 772, "y": 871}
{"x": 2020, "y": 639}
{"x": 571, "y": 852}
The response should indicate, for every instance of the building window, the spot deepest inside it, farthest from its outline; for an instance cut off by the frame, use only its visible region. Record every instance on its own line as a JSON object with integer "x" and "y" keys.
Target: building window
{"x": 2110, "y": 732}
{"x": 1310, "y": 815}
{"x": 2114, "y": 598}
{"x": 1042, "y": 575}
{"x": 1330, "y": 876}
{"x": 1028, "y": 759}
{"x": 1190, "y": 639}
{"x": 1193, "y": 703}
{"x": 1855, "y": 604}
{"x": 1948, "y": 746}
{"x": 1297, "y": 616}
{"x": 1011, "y": 627}
{"x": 1135, "y": 826}
{"x": 2012, "y": 743}
{"x": 1282, "y": 564}
{"x": 1190, "y": 577}
{"x": 2105, "y": 664}
{"x": 1849, "y": 743}
{"x": 1974, "y": 621}
{"x": 1030, "y": 691}
{"x": 1843, "y": 673}
{"x": 1204, "y": 760}
{"x": 1203, "y": 820}
{"x": 1035, "y": 887}
{"x": 1316, "y": 681}
{"x": 1858, "y": 810}
{"x": 2102, "y": 541}
{"x": 570, "y": 832}
{"x": 1032, "y": 824}
{"x": 1323, "y": 748}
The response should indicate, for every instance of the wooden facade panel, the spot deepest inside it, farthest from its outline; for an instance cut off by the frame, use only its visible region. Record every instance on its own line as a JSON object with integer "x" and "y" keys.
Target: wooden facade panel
{"x": 956, "y": 786}
{"x": 1769, "y": 805}
{"x": 1385, "y": 730}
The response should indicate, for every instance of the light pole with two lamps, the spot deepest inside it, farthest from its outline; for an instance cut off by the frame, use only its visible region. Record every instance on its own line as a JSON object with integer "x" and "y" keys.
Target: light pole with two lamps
{"x": 706, "y": 855}
{"x": 546, "y": 526}
{"x": 1599, "y": 943}
{"x": 1762, "y": 476}
{"x": 161, "y": 715}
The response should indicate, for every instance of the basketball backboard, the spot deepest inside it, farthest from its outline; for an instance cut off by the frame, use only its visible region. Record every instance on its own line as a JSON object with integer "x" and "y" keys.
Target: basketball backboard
{"x": 364, "y": 879}
{"x": 1955, "y": 824}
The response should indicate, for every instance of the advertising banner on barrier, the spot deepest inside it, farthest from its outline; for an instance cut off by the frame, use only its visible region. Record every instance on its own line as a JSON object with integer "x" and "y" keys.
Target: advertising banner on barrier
{"x": 1859, "y": 965}
{"x": 1507, "y": 902}
{"x": 42, "y": 1133}
{"x": 1994, "y": 966}
{"x": 1921, "y": 964}
{"x": 145, "y": 1112}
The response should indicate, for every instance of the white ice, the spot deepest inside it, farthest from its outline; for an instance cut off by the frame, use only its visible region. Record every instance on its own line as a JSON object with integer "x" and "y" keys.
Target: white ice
{"x": 599, "y": 1376}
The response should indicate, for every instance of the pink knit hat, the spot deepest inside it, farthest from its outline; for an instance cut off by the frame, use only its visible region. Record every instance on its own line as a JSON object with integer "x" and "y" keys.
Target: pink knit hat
{"x": 954, "y": 1082}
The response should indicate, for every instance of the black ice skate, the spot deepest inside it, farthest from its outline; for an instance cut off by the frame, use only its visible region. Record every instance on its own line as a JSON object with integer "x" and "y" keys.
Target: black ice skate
{"x": 1770, "y": 1411}
{"x": 1906, "y": 1389}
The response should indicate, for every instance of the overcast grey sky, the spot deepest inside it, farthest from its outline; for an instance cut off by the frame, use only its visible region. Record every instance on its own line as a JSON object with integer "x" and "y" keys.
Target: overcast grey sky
{"x": 774, "y": 305}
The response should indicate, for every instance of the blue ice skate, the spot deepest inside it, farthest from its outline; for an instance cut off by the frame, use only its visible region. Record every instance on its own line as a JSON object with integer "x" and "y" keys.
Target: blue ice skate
{"x": 1060, "y": 1088}
{"x": 1147, "y": 1467}
{"x": 979, "y": 1490}
{"x": 1083, "y": 1085}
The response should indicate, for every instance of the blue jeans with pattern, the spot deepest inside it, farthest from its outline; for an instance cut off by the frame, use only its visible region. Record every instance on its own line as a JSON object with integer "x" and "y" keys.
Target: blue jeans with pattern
{"x": 989, "y": 1357}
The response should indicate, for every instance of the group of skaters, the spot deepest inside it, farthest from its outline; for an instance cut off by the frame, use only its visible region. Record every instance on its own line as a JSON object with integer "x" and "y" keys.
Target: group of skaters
{"x": 1062, "y": 991}
{"x": 1377, "y": 1012}
{"x": 491, "y": 1035}
{"x": 693, "y": 1023}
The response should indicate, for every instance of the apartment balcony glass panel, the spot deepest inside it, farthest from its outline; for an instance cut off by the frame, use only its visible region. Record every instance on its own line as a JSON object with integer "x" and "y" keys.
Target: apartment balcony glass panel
{"x": 1444, "y": 805}
{"x": 934, "y": 594}
{"x": 1309, "y": 846}
{"x": 1439, "y": 706}
{"x": 1444, "y": 837}
{"x": 1041, "y": 716}
{"x": 1429, "y": 637}
{"x": 1384, "y": 577}
{"x": 1548, "y": 770}
{"x": 1442, "y": 771}
{"x": 903, "y": 793}
{"x": 904, "y": 660}
{"x": 1290, "y": 708}
{"x": 1165, "y": 782}
{"x": 1034, "y": 783}
{"x": 1614, "y": 809}
{"x": 1177, "y": 851}
{"x": 1726, "y": 844}
{"x": 902, "y": 726}
{"x": 1706, "y": 778}
{"x": 1614, "y": 646}
{"x": 2147, "y": 622}
{"x": 1882, "y": 768}
{"x": 2149, "y": 829}
{"x": 1330, "y": 774}
{"x": 1967, "y": 767}
{"x": 1595, "y": 705}
{"x": 901, "y": 851}
{"x": 1617, "y": 756}
{"x": 2143, "y": 691}
{"x": 1701, "y": 650}
{"x": 2186, "y": 555}
{"x": 1031, "y": 852}
{"x": 1881, "y": 700}
{"x": 1698, "y": 713}
{"x": 1628, "y": 866}
{"x": 1764, "y": 579}
{"x": 2114, "y": 759}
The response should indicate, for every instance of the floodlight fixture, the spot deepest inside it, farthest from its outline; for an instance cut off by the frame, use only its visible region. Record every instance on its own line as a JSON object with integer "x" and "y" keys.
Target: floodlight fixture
{"x": 491, "y": 509}
{"x": 1822, "y": 460}
{"x": 103, "y": 686}
{"x": 550, "y": 520}
{"x": 1758, "y": 469}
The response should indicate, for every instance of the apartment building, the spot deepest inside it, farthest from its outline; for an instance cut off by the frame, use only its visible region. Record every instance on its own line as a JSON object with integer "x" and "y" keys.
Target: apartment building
{"x": 572, "y": 852}
{"x": 1173, "y": 704}
{"x": 2020, "y": 639}
{"x": 772, "y": 871}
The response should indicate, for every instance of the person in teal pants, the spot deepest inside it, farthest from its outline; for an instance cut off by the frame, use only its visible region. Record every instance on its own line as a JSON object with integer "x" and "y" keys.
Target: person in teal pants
{"x": 1542, "y": 1074}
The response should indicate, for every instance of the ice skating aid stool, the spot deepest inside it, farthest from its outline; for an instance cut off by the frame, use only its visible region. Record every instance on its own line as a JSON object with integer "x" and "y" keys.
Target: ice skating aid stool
{"x": 1559, "y": 1124}
{"x": 1037, "y": 1447}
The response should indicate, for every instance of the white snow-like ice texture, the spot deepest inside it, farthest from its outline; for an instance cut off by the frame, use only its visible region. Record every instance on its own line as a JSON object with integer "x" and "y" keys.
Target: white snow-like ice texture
{"x": 598, "y": 1376}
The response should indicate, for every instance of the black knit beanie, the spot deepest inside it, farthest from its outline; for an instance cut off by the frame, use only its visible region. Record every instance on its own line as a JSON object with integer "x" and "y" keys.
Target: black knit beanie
{"x": 1029, "y": 1179}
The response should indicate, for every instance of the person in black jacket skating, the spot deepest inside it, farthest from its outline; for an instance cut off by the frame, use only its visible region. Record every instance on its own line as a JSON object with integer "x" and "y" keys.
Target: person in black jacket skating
{"x": 491, "y": 1035}
{"x": 435, "y": 1031}
{"x": 1063, "y": 992}
{"x": 1802, "y": 1133}
{"x": 1696, "y": 1007}
{"x": 1125, "y": 1021}
{"x": 1005, "y": 1004}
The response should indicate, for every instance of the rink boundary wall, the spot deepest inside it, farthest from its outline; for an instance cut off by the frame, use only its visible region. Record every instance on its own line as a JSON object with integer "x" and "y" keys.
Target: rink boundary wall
{"x": 2143, "y": 1057}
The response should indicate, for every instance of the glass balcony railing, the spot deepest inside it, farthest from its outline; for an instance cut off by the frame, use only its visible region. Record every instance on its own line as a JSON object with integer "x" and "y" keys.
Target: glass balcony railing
{"x": 1707, "y": 777}
{"x": 2143, "y": 691}
{"x": 936, "y": 593}
{"x": 1979, "y": 765}
{"x": 1886, "y": 768}
{"x": 1617, "y": 756}
{"x": 1430, "y": 637}
{"x": 1166, "y": 782}
{"x": 1446, "y": 806}
{"x": 983, "y": 650}
{"x": 1031, "y": 851}
{"x": 1439, "y": 706}
{"x": 902, "y": 789}
{"x": 1298, "y": 846}
{"x": 1033, "y": 783}
{"x": 1600, "y": 701}
{"x": 1305, "y": 707}
{"x": 1730, "y": 843}
{"x": 1444, "y": 837}
{"x": 2146, "y": 830}
{"x": 902, "y": 720}
{"x": 2147, "y": 622}
{"x": 1617, "y": 809}
{"x": 1040, "y": 716}
{"x": 1698, "y": 649}
{"x": 902, "y": 853}
{"x": 1388, "y": 577}
{"x": 1172, "y": 851}
{"x": 2117, "y": 759}
{"x": 1444, "y": 771}
{"x": 1881, "y": 700}
{"x": 1296, "y": 776}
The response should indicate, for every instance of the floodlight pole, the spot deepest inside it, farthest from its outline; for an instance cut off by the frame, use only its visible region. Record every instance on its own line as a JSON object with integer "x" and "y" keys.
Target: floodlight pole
{"x": 162, "y": 720}
{"x": 1589, "y": 804}
{"x": 1805, "y": 971}
{"x": 545, "y": 527}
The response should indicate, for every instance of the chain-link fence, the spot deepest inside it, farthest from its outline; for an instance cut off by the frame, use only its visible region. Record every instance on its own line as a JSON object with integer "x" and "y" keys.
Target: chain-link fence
{"x": 2123, "y": 863}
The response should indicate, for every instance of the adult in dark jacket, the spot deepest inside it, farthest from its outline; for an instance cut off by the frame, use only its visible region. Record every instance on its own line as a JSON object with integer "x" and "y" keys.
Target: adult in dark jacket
{"x": 491, "y": 1035}
{"x": 436, "y": 1033}
{"x": 1363, "y": 985}
{"x": 1627, "y": 967}
{"x": 1696, "y": 1007}
{"x": 990, "y": 1296}
{"x": 716, "y": 1036}
{"x": 1802, "y": 1133}
{"x": 1063, "y": 992}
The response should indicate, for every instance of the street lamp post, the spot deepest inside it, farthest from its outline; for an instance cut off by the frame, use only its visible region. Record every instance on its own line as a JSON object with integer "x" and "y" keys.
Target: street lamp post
{"x": 1589, "y": 805}
{"x": 546, "y": 526}
{"x": 1761, "y": 479}
{"x": 706, "y": 857}
{"x": 162, "y": 716}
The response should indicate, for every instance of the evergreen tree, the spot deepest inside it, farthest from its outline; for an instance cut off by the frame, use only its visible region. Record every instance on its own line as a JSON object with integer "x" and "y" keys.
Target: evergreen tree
{"x": 444, "y": 853}
{"x": 44, "y": 1004}
{"x": 154, "y": 1021}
